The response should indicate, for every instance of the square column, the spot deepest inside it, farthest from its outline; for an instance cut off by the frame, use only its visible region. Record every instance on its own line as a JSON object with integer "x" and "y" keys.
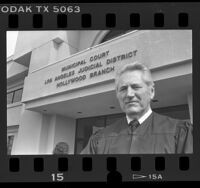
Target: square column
{"x": 190, "y": 105}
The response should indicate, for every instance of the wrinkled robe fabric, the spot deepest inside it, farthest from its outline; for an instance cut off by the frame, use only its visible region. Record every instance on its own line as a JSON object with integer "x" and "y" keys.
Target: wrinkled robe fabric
{"x": 158, "y": 134}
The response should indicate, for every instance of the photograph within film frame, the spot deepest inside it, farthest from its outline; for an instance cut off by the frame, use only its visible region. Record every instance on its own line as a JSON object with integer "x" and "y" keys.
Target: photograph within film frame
{"x": 61, "y": 98}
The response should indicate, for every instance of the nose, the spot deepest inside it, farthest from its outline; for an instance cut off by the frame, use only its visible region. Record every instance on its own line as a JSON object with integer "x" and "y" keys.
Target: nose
{"x": 130, "y": 92}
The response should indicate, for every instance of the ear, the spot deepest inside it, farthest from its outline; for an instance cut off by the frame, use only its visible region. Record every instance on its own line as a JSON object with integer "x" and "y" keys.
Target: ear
{"x": 152, "y": 92}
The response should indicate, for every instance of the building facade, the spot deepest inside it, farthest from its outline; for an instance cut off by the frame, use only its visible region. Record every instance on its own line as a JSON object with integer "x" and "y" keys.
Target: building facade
{"x": 60, "y": 84}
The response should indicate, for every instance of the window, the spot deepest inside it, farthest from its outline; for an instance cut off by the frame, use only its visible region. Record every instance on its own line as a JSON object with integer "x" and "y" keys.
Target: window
{"x": 179, "y": 112}
{"x": 9, "y": 98}
{"x": 11, "y": 138}
{"x": 10, "y": 144}
{"x": 17, "y": 95}
{"x": 88, "y": 126}
{"x": 14, "y": 96}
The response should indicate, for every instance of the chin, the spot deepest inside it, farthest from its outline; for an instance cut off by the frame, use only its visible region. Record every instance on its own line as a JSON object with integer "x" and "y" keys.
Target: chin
{"x": 133, "y": 111}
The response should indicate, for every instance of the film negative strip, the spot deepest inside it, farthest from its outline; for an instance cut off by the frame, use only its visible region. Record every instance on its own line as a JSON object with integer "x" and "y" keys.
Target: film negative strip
{"x": 100, "y": 92}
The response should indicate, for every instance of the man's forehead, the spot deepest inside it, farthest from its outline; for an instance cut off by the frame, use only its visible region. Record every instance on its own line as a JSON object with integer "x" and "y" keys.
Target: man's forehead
{"x": 131, "y": 76}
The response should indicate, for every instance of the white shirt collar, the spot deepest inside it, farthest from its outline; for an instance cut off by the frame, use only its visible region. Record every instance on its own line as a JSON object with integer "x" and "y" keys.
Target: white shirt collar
{"x": 143, "y": 118}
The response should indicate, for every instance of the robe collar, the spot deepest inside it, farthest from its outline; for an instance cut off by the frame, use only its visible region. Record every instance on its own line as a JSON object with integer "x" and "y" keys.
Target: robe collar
{"x": 122, "y": 126}
{"x": 141, "y": 119}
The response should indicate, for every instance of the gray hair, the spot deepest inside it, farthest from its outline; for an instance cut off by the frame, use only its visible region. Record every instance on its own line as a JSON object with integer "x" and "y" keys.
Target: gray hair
{"x": 132, "y": 67}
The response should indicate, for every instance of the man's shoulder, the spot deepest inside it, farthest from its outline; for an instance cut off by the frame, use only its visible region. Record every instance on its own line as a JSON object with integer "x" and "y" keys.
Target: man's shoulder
{"x": 166, "y": 124}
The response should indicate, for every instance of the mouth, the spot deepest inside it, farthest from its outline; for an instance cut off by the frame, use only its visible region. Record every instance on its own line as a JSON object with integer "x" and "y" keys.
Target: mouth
{"x": 131, "y": 102}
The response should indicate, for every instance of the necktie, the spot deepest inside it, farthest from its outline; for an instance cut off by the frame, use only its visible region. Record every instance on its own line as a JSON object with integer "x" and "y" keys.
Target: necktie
{"x": 134, "y": 124}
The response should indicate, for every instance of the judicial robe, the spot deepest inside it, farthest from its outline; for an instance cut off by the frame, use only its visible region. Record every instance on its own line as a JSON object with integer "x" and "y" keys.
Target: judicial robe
{"x": 158, "y": 134}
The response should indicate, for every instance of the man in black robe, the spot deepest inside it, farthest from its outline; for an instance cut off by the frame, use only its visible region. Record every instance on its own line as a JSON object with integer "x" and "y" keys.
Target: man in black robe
{"x": 141, "y": 131}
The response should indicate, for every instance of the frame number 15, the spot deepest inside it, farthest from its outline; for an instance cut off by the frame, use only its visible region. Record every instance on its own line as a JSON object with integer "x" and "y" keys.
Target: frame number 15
{"x": 57, "y": 177}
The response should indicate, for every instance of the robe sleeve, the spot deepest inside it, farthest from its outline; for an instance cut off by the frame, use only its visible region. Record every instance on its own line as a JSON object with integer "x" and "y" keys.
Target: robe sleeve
{"x": 91, "y": 147}
{"x": 184, "y": 138}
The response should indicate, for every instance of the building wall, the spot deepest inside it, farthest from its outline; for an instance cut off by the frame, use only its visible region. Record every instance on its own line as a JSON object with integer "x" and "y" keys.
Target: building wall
{"x": 90, "y": 38}
{"x": 15, "y": 69}
{"x": 45, "y": 134}
{"x": 51, "y": 135}
{"x": 56, "y": 129}
{"x": 73, "y": 40}
{"x": 28, "y": 138}
{"x": 14, "y": 114}
{"x": 49, "y": 53}
{"x": 28, "y": 40}
{"x": 157, "y": 49}
{"x": 65, "y": 131}
{"x": 15, "y": 84}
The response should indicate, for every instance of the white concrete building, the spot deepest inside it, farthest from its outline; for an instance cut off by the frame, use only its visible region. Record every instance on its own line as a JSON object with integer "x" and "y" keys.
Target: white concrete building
{"x": 60, "y": 84}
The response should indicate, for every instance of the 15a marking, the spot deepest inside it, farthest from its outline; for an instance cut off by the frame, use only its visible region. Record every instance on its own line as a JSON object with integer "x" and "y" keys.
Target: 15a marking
{"x": 155, "y": 176}
{"x": 57, "y": 177}
{"x": 150, "y": 176}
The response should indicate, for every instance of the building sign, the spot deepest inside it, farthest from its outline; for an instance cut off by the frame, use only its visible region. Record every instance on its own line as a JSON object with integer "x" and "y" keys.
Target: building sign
{"x": 89, "y": 68}
{"x": 93, "y": 66}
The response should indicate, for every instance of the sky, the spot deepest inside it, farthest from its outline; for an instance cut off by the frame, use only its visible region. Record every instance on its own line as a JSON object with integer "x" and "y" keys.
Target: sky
{"x": 11, "y": 42}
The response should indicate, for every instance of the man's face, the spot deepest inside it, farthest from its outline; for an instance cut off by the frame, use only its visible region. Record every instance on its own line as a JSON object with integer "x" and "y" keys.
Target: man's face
{"x": 133, "y": 93}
